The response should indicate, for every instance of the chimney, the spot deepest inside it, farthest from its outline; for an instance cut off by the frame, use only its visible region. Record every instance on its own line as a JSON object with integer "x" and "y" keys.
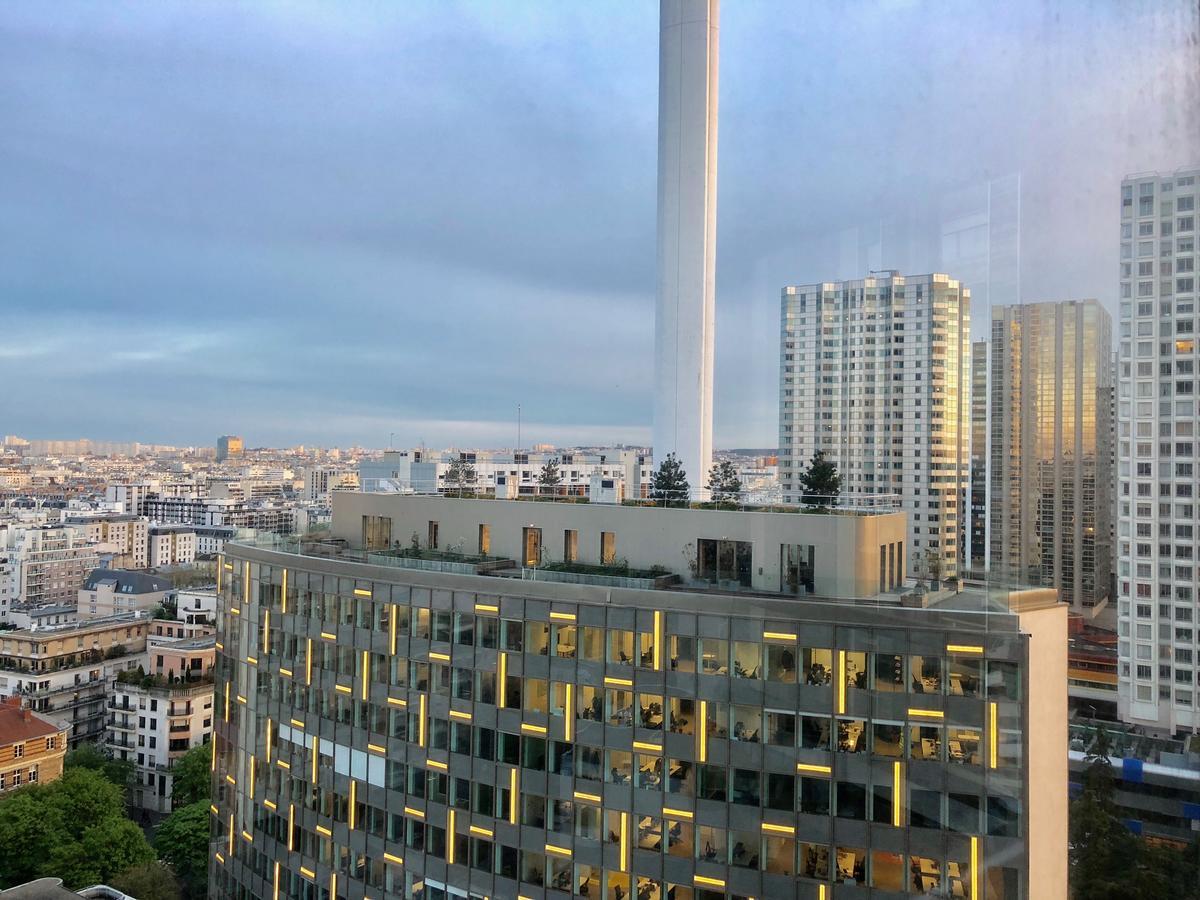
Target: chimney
{"x": 26, "y": 714}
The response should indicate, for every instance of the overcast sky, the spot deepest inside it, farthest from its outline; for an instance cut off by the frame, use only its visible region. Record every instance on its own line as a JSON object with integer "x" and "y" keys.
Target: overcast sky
{"x": 326, "y": 223}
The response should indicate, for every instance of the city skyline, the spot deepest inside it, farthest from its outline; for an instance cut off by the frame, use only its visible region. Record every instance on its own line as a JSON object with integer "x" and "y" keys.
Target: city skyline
{"x": 255, "y": 232}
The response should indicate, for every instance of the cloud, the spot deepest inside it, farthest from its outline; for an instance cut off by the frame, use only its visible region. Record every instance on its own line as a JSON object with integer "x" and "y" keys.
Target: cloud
{"x": 306, "y": 221}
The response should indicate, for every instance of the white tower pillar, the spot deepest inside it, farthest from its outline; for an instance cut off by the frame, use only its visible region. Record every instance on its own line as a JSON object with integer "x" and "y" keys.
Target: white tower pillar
{"x": 687, "y": 234}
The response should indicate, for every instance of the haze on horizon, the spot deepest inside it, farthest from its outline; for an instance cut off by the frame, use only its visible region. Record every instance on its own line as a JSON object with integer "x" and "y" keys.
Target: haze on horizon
{"x": 326, "y": 224}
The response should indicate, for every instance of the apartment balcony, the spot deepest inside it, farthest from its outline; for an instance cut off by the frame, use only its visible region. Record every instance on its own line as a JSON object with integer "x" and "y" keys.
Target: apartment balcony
{"x": 121, "y": 743}
{"x": 122, "y": 723}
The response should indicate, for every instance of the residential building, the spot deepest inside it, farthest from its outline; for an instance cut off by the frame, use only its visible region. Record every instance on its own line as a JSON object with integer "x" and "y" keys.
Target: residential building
{"x": 110, "y": 592}
{"x": 1051, "y": 479}
{"x": 44, "y": 616}
{"x": 130, "y": 496}
{"x": 51, "y": 562}
{"x": 210, "y": 539}
{"x": 875, "y": 373}
{"x": 977, "y": 545}
{"x": 61, "y": 672}
{"x": 196, "y": 607}
{"x": 281, "y": 519}
{"x": 155, "y": 717}
{"x": 387, "y": 728}
{"x": 31, "y": 749}
{"x": 170, "y": 545}
{"x": 1156, "y": 451}
{"x": 517, "y": 473}
{"x": 124, "y": 536}
{"x": 229, "y": 447}
{"x": 320, "y": 480}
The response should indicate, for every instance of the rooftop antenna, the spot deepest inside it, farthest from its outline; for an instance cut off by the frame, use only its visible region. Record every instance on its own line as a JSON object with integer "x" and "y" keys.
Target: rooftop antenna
{"x": 518, "y": 426}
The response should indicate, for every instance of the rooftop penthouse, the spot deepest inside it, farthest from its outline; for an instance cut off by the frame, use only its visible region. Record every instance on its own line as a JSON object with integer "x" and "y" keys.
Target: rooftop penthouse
{"x": 836, "y": 553}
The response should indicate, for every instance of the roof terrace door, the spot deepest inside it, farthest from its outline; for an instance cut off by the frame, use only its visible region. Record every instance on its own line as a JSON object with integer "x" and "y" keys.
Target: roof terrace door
{"x": 531, "y": 541}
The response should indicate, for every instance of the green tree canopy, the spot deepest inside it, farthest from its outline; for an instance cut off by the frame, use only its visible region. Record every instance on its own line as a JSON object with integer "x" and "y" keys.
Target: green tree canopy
{"x": 29, "y": 831}
{"x": 550, "y": 477}
{"x": 669, "y": 485}
{"x": 461, "y": 474}
{"x": 1107, "y": 861}
{"x": 82, "y": 799}
{"x": 192, "y": 776}
{"x": 148, "y": 881}
{"x": 90, "y": 755}
{"x": 73, "y": 828}
{"x": 182, "y": 842}
{"x": 820, "y": 482}
{"x": 724, "y": 484}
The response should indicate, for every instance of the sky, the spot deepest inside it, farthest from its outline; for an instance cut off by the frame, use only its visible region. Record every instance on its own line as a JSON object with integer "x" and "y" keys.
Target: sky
{"x": 355, "y": 223}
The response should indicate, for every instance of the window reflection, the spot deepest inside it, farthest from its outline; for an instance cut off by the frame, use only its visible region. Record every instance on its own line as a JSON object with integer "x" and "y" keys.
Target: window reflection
{"x": 965, "y": 677}
{"x": 818, "y": 665}
{"x": 814, "y": 861}
{"x": 926, "y": 675}
{"x": 963, "y": 745}
{"x": 925, "y": 742}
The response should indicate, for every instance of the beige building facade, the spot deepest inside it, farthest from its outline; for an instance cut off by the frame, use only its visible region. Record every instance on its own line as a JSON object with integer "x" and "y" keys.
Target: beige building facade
{"x": 834, "y": 554}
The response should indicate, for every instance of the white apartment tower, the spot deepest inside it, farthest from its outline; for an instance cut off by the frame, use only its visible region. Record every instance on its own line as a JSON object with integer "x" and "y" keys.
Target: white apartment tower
{"x": 1156, "y": 453}
{"x": 875, "y": 372}
{"x": 684, "y": 322}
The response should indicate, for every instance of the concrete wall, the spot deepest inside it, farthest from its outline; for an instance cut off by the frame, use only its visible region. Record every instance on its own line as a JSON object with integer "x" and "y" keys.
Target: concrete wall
{"x": 1044, "y": 619}
{"x": 846, "y": 561}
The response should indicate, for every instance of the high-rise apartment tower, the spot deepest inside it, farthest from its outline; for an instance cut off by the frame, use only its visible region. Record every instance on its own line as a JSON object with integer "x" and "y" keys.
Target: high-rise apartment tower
{"x": 875, "y": 373}
{"x": 1156, "y": 445}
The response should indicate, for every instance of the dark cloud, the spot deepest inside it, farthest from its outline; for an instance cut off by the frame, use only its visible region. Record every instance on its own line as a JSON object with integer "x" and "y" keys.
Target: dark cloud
{"x": 331, "y": 222}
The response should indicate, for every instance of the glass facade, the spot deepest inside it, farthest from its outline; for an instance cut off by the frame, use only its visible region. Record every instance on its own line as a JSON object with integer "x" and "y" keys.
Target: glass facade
{"x": 384, "y": 732}
{"x": 1051, "y": 466}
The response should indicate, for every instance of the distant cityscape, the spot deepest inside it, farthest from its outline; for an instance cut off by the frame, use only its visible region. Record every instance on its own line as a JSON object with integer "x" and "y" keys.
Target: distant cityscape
{"x": 886, "y": 658}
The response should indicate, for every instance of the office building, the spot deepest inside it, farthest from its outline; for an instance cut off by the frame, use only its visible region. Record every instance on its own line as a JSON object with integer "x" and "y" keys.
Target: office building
{"x": 31, "y": 749}
{"x": 1156, "y": 444}
{"x": 1051, "y": 479}
{"x": 875, "y": 373}
{"x": 229, "y": 446}
{"x": 691, "y": 729}
{"x": 976, "y": 539}
{"x": 684, "y": 318}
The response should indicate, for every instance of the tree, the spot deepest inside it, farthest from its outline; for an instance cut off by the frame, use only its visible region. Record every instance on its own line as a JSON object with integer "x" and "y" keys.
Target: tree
{"x": 28, "y": 834}
{"x": 724, "y": 484}
{"x": 182, "y": 842}
{"x": 550, "y": 476}
{"x": 92, "y": 756}
{"x": 192, "y": 776}
{"x": 1101, "y": 848}
{"x": 149, "y": 881}
{"x": 116, "y": 844}
{"x": 461, "y": 474}
{"x": 83, "y": 798}
{"x": 73, "y": 828}
{"x": 821, "y": 482}
{"x": 669, "y": 485}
